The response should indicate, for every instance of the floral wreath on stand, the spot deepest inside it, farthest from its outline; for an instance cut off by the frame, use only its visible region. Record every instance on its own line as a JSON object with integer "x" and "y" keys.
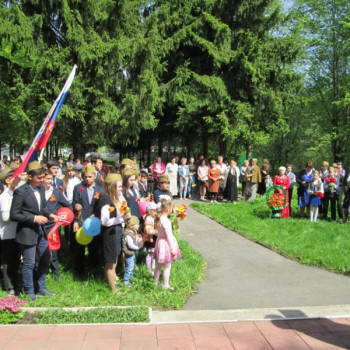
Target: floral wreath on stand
{"x": 276, "y": 199}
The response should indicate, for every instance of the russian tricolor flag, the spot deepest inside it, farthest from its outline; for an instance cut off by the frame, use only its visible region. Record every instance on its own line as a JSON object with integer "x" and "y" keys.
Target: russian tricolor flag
{"x": 45, "y": 131}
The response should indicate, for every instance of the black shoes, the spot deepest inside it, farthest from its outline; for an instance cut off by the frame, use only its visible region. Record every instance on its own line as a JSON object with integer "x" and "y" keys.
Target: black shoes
{"x": 45, "y": 293}
{"x": 31, "y": 296}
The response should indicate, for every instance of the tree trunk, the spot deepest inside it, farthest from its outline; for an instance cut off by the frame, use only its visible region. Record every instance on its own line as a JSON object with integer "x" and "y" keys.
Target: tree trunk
{"x": 205, "y": 145}
{"x": 222, "y": 146}
{"x": 160, "y": 146}
{"x": 149, "y": 150}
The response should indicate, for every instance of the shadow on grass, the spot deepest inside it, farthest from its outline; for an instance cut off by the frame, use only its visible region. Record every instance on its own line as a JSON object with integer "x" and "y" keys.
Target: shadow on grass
{"x": 262, "y": 213}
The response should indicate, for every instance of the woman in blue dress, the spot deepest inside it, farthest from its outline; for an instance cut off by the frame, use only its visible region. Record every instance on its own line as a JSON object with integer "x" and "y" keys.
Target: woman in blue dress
{"x": 304, "y": 178}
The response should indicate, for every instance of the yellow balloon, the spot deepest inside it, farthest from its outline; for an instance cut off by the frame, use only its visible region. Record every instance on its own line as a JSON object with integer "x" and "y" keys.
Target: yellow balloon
{"x": 82, "y": 238}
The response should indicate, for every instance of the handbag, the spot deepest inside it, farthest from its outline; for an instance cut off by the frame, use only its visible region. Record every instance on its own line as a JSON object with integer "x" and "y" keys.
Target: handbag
{"x": 247, "y": 191}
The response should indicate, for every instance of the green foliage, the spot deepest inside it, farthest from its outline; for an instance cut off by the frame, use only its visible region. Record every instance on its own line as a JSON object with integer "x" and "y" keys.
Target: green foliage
{"x": 10, "y": 317}
{"x": 98, "y": 315}
{"x": 234, "y": 75}
{"x": 323, "y": 244}
{"x": 327, "y": 38}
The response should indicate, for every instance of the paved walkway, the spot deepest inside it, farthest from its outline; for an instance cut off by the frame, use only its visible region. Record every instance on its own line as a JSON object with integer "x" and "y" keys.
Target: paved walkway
{"x": 284, "y": 335}
{"x": 246, "y": 275}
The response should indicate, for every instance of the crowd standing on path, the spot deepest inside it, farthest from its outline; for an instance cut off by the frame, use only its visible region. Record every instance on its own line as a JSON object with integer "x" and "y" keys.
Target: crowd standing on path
{"x": 29, "y": 203}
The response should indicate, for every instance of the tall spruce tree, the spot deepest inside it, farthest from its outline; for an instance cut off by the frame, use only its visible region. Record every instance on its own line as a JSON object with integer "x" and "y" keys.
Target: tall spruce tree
{"x": 226, "y": 66}
{"x": 327, "y": 66}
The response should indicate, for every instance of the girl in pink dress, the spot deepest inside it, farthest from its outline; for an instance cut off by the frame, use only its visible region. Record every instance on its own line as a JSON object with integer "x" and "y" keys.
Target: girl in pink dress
{"x": 166, "y": 249}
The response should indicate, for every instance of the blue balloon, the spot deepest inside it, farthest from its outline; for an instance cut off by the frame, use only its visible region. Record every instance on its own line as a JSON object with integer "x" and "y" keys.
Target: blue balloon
{"x": 92, "y": 226}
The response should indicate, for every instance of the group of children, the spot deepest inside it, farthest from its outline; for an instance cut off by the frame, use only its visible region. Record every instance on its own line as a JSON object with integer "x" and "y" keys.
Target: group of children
{"x": 28, "y": 213}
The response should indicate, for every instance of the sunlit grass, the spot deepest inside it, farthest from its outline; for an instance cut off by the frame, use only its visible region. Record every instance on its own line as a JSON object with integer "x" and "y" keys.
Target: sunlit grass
{"x": 92, "y": 290}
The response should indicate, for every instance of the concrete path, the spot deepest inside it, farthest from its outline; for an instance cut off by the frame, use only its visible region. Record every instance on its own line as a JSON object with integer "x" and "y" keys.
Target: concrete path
{"x": 245, "y": 275}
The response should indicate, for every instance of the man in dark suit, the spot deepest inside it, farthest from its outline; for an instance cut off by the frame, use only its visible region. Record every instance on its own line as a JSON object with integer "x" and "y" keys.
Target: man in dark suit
{"x": 97, "y": 162}
{"x": 53, "y": 167}
{"x": 84, "y": 197}
{"x": 31, "y": 214}
{"x": 54, "y": 201}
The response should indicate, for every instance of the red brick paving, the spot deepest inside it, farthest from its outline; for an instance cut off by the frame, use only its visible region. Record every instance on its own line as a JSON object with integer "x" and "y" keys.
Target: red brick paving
{"x": 314, "y": 334}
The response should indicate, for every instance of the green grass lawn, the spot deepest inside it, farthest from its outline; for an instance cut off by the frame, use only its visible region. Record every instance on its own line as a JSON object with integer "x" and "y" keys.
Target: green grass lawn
{"x": 92, "y": 290}
{"x": 324, "y": 244}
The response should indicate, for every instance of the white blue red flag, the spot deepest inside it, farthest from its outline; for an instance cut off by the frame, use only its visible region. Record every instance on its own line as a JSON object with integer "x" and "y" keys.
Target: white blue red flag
{"x": 45, "y": 131}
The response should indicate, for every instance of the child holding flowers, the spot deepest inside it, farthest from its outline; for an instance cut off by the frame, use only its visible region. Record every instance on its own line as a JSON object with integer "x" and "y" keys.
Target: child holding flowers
{"x": 330, "y": 194}
{"x": 166, "y": 249}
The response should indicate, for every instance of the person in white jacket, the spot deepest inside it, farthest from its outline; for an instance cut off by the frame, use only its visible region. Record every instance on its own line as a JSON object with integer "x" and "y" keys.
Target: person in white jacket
{"x": 10, "y": 250}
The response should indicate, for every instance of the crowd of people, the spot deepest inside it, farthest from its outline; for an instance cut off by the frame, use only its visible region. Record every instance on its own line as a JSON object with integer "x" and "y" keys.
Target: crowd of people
{"x": 28, "y": 213}
{"x": 29, "y": 203}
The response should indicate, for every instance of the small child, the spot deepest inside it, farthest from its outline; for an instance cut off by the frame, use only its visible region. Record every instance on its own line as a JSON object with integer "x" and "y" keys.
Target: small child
{"x": 131, "y": 245}
{"x": 150, "y": 236}
{"x": 166, "y": 249}
{"x": 316, "y": 191}
{"x": 331, "y": 181}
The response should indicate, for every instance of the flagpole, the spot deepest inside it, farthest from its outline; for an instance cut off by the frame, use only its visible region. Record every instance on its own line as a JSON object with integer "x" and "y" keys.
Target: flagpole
{"x": 41, "y": 155}
{"x": 54, "y": 106}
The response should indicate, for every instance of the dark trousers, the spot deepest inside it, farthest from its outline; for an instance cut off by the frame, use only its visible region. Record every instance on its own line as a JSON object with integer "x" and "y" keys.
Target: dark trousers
{"x": 332, "y": 197}
{"x": 93, "y": 248}
{"x": 36, "y": 261}
{"x": 340, "y": 204}
{"x": 243, "y": 187}
{"x": 54, "y": 264}
{"x": 11, "y": 260}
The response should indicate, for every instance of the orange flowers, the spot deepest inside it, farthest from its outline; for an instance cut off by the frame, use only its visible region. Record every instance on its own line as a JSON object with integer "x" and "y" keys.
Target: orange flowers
{"x": 97, "y": 195}
{"x": 276, "y": 200}
{"x": 111, "y": 209}
{"x": 52, "y": 198}
{"x": 124, "y": 208}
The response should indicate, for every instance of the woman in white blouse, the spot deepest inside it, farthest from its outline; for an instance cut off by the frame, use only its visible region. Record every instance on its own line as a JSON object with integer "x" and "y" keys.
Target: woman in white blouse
{"x": 108, "y": 209}
{"x": 171, "y": 170}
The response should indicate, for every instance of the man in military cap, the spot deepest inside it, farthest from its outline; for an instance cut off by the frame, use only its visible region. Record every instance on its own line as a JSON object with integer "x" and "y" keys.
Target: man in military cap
{"x": 84, "y": 197}
{"x": 31, "y": 214}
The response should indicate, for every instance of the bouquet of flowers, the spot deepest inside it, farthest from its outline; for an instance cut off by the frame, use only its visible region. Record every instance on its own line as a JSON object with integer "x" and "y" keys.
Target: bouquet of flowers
{"x": 182, "y": 211}
{"x": 149, "y": 198}
{"x": 124, "y": 208}
{"x": 276, "y": 199}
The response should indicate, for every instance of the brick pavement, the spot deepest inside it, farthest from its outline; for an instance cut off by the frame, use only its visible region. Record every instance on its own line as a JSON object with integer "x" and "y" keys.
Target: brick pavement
{"x": 281, "y": 334}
